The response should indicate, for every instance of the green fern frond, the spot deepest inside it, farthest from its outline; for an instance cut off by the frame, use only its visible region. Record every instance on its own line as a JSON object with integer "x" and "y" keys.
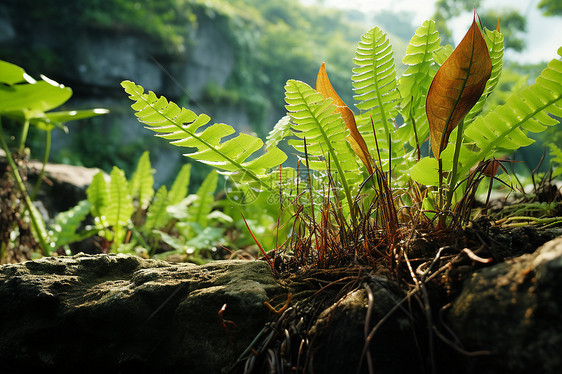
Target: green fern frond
{"x": 415, "y": 82}
{"x": 374, "y": 84}
{"x": 179, "y": 188}
{"x": 141, "y": 183}
{"x": 97, "y": 194}
{"x": 281, "y": 130}
{"x": 314, "y": 118}
{"x": 525, "y": 111}
{"x": 182, "y": 128}
{"x": 156, "y": 215}
{"x": 203, "y": 205}
{"x": 494, "y": 40}
{"x": 119, "y": 207}
{"x": 66, "y": 225}
{"x": 555, "y": 154}
{"x": 442, "y": 54}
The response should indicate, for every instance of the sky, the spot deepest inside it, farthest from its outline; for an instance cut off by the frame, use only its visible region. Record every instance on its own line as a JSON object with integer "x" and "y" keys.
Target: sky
{"x": 543, "y": 37}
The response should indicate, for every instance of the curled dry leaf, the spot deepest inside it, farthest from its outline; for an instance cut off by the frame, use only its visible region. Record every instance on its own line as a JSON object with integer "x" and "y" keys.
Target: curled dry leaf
{"x": 491, "y": 169}
{"x": 354, "y": 138}
{"x": 457, "y": 86}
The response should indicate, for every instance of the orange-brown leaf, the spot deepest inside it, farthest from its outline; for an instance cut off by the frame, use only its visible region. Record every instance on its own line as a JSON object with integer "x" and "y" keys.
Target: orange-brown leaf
{"x": 457, "y": 86}
{"x": 354, "y": 138}
{"x": 491, "y": 168}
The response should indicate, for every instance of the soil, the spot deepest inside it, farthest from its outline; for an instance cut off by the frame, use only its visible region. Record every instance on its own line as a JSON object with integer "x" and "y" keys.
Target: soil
{"x": 320, "y": 297}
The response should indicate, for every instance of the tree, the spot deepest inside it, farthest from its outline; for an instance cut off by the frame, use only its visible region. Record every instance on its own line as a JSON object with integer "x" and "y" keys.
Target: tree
{"x": 399, "y": 24}
{"x": 511, "y": 22}
{"x": 551, "y": 7}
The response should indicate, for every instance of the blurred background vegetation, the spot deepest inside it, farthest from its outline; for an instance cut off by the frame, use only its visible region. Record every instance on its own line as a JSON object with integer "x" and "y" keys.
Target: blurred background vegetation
{"x": 254, "y": 46}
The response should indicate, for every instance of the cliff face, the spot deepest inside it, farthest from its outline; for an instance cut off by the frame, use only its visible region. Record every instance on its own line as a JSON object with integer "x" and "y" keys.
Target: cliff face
{"x": 93, "y": 62}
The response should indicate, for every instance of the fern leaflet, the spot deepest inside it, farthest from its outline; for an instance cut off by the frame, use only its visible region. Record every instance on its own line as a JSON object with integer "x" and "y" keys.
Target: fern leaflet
{"x": 280, "y": 131}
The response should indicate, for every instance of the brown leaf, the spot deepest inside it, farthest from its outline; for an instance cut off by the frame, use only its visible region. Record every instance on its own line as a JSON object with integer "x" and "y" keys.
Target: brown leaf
{"x": 354, "y": 138}
{"x": 491, "y": 168}
{"x": 457, "y": 86}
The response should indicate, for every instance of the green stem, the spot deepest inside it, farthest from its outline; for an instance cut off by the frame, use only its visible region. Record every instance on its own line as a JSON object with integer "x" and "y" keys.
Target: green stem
{"x": 23, "y": 137}
{"x": 441, "y": 222}
{"x": 454, "y": 174}
{"x": 28, "y": 204}
{"x": 45, "y": 160}
{"x": 440, "y": 187}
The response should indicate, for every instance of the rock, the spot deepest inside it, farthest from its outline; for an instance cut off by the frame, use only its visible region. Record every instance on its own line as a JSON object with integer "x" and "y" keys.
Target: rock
{"x": 110, "y": 313}
{"x": 211, "y": 60}
{"x": 339, "y": 333}
{"x": 64, "y": 185}
{"x": 122, "y": 313}
{"x": 514, "y": 311}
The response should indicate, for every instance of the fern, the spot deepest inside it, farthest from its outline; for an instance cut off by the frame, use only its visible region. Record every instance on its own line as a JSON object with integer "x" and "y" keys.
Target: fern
{"x": 179, "y": 188}
{"x": 182, "y": 128}
{"x": 280, "y": 131}
{"x": 119, "y": 207}
{"x": 415, "y": 82}
{"x": 374, "y": 83}
{"x": 314, "y": 119}
{"x": 494, "y": 40}
{"x": 156, "y": 215}
{"x": 97, "y": 194}
{"x": 527, "y": 111}
{"x": 203, "y": 205}
{"x": 142, "y": 181}
{"x": 66, "y": 225}
{"x": 442, "y": 54}
{"x": 555, "y": 160}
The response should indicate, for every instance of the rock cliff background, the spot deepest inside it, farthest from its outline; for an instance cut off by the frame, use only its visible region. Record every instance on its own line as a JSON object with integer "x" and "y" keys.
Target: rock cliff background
{"x": 228, "y": 61}
{"x": 93, "y": 60}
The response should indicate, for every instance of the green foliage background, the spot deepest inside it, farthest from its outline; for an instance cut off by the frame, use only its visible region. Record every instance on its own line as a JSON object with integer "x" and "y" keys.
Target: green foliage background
{"x": 274, "y": 41}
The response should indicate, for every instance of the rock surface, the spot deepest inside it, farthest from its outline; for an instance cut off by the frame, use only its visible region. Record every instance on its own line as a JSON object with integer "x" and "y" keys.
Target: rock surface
{"x": 110, "y": 313}
{"x": 514, "y": 311}
{"x": 121, "y": 313}
{"x": 63, "y": 185}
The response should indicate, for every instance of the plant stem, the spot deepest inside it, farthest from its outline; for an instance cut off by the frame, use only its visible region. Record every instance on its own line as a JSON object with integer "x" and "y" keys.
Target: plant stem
{"x": 24, "y": 131}
{"x": 535, "y": 220}
{"x": 45, "y": 160}
{"x": 441, "y": 222}
{"x": 440, "y": 184}
{"x": 454, "y": 175}
{"x": 28, "y": 204}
